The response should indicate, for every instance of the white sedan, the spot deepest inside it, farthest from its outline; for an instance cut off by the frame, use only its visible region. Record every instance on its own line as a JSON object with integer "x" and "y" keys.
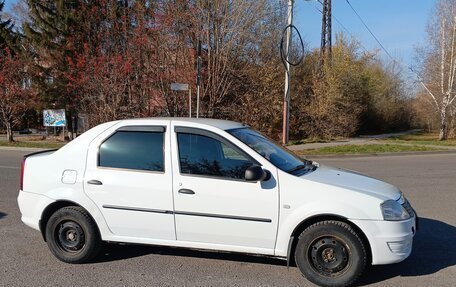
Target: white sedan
{"x": 211, "y": 184}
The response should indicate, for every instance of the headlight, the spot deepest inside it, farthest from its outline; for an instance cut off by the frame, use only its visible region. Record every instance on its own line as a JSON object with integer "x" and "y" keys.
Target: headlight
{"x": 393, "y": 211}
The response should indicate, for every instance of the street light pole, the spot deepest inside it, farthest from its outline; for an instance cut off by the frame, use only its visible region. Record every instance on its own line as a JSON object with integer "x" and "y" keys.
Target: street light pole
{"x": 286, "y": 100}
{"x": 198, "y": 77}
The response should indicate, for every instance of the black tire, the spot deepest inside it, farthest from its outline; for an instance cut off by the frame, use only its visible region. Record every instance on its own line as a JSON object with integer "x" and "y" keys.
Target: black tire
{"x": 72, "y": 235}
{"x": 330, "y": 253}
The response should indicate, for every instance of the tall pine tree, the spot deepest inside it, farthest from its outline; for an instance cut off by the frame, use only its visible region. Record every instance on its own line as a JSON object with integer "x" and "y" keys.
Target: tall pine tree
{"x": 6, "y": 27}
{"x": 50, "y": 33}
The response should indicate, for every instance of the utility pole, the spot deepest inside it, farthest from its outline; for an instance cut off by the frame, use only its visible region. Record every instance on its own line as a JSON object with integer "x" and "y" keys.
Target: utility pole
{"x": 287, "y": 97}
{"x": 198, "y": 77}
{"x": 326, "y": 41}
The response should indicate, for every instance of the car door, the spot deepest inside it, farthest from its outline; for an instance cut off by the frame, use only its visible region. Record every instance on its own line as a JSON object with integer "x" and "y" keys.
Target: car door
{"x": 129, "y": 177}
{"x": 213, "y": 202}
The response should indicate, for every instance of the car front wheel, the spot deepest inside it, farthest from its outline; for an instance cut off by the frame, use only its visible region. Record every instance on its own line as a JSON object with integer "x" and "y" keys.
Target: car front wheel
{"x": 72, "y": 235}
{"x": 330, "y": 253}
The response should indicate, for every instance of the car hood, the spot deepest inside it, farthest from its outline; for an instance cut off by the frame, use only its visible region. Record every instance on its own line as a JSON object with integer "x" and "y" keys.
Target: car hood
{"x": 354, "y": 181}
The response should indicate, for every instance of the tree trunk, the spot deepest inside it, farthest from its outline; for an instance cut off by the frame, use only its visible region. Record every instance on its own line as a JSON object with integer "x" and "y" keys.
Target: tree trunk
{"x": 9, "y": 132}
{"x": 443, "y": 135}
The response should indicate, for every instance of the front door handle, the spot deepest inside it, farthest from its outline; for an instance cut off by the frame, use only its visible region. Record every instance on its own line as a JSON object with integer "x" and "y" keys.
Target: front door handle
{"x": 95, "y": 182}
{"x": 186, "y": 191}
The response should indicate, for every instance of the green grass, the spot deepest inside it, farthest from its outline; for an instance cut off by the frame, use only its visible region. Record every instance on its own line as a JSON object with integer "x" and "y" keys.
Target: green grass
{"x": 421, "y": 139}
{"x": 34, "y": 144}
{"x": 366, "y": 149}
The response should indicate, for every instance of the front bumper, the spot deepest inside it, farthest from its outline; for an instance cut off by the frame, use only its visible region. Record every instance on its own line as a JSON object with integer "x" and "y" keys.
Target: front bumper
{"x": 390, "y": 241}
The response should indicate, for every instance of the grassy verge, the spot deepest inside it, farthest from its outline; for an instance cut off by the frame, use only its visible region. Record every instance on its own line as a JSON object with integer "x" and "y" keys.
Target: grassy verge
{"x": 421, "y": 139}
{"x": 34, "y": 144}
{"x": 366, "y": 149}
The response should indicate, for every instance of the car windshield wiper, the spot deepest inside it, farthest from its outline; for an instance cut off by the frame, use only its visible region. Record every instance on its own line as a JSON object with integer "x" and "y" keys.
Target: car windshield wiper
{"x": 307, "y": 163}
{"x": 298, "y": 167}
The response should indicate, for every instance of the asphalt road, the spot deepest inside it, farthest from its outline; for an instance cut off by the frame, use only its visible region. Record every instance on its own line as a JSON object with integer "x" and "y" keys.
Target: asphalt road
{"x": 429, "y": 181}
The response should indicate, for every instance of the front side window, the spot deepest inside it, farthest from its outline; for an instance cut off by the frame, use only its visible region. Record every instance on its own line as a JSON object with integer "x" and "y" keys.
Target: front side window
{"x": 203, "y": 155}
{"x": 136, "y": 150}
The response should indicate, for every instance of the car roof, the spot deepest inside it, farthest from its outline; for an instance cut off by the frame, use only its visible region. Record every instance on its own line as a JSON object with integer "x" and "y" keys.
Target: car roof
{"x": 217, "y": 123}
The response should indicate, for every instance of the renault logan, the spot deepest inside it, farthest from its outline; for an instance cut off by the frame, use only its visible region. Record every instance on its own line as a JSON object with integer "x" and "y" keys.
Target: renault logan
{"x": 216, "y": 185}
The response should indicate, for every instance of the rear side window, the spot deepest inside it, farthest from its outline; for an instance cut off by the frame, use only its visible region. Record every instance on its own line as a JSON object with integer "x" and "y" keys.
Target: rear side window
{"x": 136, "y": 150}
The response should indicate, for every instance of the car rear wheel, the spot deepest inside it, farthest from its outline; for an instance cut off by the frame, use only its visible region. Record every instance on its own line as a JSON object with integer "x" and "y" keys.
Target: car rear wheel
{"x": 330, "y": 253}
{"x": 72, "y": 236}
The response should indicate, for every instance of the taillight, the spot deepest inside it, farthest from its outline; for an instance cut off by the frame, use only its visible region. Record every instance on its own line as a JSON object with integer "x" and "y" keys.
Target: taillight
{"x": 22, "y": 172}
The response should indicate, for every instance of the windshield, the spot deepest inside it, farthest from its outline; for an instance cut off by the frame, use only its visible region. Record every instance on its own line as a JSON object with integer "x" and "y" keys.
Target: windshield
{"x": 278, "y": 156}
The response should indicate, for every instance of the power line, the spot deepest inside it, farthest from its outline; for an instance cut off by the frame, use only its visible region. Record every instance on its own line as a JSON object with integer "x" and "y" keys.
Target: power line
{"x": 383, "y": 47}
{"x": 369, "y": 30}
{"x": 408, "y": 67}
{"x": 376, "y": 39}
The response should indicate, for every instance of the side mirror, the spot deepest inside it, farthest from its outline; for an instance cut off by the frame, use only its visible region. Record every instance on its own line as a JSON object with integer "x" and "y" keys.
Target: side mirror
{"x": 256, "y": 173}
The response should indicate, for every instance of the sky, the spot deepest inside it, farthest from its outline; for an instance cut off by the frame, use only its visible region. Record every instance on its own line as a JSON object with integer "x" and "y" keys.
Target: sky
{"x": 8, "y": 4}
{"x": 400, "y": 25}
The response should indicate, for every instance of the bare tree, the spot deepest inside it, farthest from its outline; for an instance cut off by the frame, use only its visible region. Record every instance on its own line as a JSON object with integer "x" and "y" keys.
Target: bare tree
{"x": 439, "y": 62}
{"x": 231, "y": 33}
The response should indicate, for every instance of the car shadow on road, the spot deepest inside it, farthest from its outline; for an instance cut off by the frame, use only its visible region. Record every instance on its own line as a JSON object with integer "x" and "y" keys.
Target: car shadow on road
{"x": 433, "y": 250}
{"x": 2, "y": 214}
{"x": 114, "y": 252}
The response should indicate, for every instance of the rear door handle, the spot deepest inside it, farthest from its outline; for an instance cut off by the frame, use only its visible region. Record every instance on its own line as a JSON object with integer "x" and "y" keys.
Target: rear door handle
{"x": 95, "y": 182}
{"x": 186, "y": 191}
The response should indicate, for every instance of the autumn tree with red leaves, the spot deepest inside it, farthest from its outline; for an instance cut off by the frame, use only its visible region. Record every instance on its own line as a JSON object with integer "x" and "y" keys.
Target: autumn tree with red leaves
{"x": 16, "y": 97}
{"x": 126, "y": 71}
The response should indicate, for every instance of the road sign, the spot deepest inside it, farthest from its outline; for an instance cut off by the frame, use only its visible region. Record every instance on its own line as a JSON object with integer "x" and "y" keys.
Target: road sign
{"x": 179, "y": 87}
{"x": 54, "y": 118}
